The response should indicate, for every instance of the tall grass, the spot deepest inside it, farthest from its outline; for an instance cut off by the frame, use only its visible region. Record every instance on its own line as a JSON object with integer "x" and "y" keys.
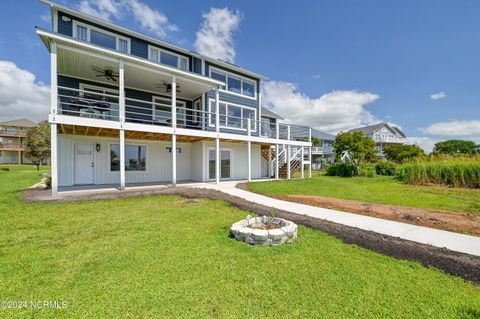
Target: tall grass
{"x": 443, "y": 170}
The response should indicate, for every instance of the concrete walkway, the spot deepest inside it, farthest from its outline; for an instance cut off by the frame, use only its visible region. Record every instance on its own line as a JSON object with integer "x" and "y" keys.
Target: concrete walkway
{"x": 439, "y": 238}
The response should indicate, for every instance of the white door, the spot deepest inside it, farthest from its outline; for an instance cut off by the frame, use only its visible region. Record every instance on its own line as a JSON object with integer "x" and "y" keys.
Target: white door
{"x": 84, "y": 164}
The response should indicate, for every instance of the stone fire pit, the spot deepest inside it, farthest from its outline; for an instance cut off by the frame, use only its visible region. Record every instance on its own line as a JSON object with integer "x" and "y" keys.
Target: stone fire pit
{"x": 264, "y": 230}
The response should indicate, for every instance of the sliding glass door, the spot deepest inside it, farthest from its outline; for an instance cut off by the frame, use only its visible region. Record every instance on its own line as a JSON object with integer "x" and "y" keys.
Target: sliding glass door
{"x": 225, "y": 164}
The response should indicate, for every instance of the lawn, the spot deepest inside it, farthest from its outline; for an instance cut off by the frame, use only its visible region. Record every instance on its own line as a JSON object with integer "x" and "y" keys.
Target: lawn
{"x": 380, "y": 190}
{"x": 166, "y": 256}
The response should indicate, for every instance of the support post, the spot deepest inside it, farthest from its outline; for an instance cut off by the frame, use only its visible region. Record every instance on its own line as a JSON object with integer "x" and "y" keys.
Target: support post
{"x": 121, "y": 90}
{"x": 122, "y": 159}
{"x": 19, "y": 159}
{"x": 310, "y": 153}
{"x": 269, "y": 166}
{"x": 302, "y": 153}
{"x": 277, "y": 151}
{"x": 53, "y": 112}
{"x": 217, "y": 140}
{"x": 174, "y": 160}
{"x": 174, "y": 125}
{"x": 54, "y": 159}
{"x": 249, "y": 151}
{"x": 288, "y": 153}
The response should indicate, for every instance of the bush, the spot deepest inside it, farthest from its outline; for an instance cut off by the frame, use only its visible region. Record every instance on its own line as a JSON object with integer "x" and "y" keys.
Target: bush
{"x": 4, "y": 169}
{"x": 385, "y": 168}
{"x": 459, "y": 172}
{"x": 366, "y": 170}
{"x": 341, "y": 169}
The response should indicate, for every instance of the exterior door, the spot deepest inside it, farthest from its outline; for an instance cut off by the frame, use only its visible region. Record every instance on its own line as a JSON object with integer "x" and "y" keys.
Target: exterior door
{"x": 84, "y": 164}
{"x": 225, "y": 164}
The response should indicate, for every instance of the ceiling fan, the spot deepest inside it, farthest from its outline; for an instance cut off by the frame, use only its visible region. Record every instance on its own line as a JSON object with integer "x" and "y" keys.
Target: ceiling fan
{"x": 107, "y": 73}
{"x": 167, "y": 87}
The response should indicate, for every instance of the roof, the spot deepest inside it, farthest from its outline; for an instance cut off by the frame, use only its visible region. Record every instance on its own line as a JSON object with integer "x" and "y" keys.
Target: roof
{"x": 398, "y": 130}
{"x": 322, "y": 135}
{"x": 367, "y": 130}
{"x": 150, "y": 39}
{"x": 19, "y": 123}
{"x": 269, "y": 114}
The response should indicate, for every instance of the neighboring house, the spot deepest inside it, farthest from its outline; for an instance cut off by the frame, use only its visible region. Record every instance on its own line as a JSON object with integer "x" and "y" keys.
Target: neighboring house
{"x": 12, "y": 136}
{"x": 384, "y": 134}
{"x": 324, "y": 153}
{"x": 128, "y": 109}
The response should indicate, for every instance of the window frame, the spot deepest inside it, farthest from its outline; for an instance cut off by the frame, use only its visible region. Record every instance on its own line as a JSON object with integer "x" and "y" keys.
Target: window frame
{"x": 242, "y": 107}
{"x": 129, "y": 144}
{"x": 236, "y": 76}
{"x": 89, "y": 28}
{"x": 179, "y": 56}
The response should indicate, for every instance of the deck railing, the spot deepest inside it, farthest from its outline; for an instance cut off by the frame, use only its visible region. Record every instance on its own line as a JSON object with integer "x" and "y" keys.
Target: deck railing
{"x": 13, "y": 132}
{"x": 99, "y": 105}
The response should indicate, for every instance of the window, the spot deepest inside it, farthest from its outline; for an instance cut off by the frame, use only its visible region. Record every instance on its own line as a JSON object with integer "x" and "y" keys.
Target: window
{"x": 233, "y": 116}
{"x": 160, "y": 56}
{"x": 82, "y": 33}
{"x": 123, "y": 45}
{"x": 235, "y": 84}
{"x": 248, "y": 88}
{"x": 100, "y": 37}
{"x": 103, "y": 39}
{"x": 135, "y": 157}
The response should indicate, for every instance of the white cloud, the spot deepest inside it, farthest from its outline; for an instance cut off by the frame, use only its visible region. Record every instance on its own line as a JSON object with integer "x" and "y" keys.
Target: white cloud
{"x": 316, "y": 76}
{"x": 147, "y": 18}
{"x": 150, "y": 19}
{"x": 46, "y": 17}
{"x": 426, "y": 143}
{"x": 21, "y": 95}
{"x": 104, "y": 9}
{"x": 215, "y": 36}
{"x": 438, "y": 96}
{"x": 454, "y": 128}
{"x": 332, "y": 112}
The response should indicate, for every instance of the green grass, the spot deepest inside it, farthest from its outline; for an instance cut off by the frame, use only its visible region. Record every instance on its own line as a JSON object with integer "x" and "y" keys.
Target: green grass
{"x": 380, "y": 190}
{"x": 169, "y": 257}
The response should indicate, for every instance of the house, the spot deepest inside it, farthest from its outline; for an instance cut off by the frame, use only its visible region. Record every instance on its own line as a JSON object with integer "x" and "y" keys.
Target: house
{"x": 130, "y": 109}
{"x": 384, "y": 134}
{"x": 323, "y": 153}
{"x": 12, "y": 136}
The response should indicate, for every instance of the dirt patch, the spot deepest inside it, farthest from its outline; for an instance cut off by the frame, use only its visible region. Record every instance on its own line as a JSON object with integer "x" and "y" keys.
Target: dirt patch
{"x": 456, "y": 222}
{"x": 458, "y": 264}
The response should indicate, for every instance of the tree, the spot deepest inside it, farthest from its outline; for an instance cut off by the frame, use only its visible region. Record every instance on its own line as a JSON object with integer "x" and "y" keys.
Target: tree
{"x": 315, "y": 141}
{"x": 360, "y": 146}
{"x": 399, "y": 152}
{"x": 37, "y": 143}
{"x": 455, "y": 147}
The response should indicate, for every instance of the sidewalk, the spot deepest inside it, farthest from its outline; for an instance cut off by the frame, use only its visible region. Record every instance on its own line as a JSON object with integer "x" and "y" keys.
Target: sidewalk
{"x": 439, "y": 238}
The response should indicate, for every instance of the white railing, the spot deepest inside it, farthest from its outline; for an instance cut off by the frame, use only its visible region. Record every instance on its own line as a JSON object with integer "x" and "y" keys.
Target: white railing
{"x": 322, "y": 149}
{"x": 85, "y": 103}
{"x": 394, "y": 140}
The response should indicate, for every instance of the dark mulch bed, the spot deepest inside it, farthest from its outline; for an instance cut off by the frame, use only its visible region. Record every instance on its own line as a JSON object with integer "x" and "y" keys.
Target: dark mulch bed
{"x": 458, "y": 264}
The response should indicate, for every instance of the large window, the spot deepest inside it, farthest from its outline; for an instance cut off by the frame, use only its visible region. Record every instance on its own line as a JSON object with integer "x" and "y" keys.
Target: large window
{"x": 100, "y": 37}
{"x": 135, "y": 157}
{"x": 160, "y": 56}
{"x": 234, "y": 83}
{"x": 232, "y": 116}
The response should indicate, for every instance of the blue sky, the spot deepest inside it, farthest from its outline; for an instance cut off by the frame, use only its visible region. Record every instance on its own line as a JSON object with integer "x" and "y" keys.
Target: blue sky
{"x": 333, "y": 64}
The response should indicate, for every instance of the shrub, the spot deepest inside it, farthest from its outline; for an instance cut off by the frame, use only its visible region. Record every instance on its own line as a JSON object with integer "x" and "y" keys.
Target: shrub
{"x": 4, "y": 169}
{"x": 385, "y": 168}
{"x": 366, "y": 170}
{"x": 456, "y": 172}
{"x": 341, "y": 169}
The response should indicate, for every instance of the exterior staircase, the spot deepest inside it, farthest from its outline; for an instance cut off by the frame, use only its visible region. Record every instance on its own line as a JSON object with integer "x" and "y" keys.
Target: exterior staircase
{"x": 295, "y": 161}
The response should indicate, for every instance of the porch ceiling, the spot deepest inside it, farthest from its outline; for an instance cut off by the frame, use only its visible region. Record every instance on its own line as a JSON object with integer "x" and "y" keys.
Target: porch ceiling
{"x": 79, "y": 65}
